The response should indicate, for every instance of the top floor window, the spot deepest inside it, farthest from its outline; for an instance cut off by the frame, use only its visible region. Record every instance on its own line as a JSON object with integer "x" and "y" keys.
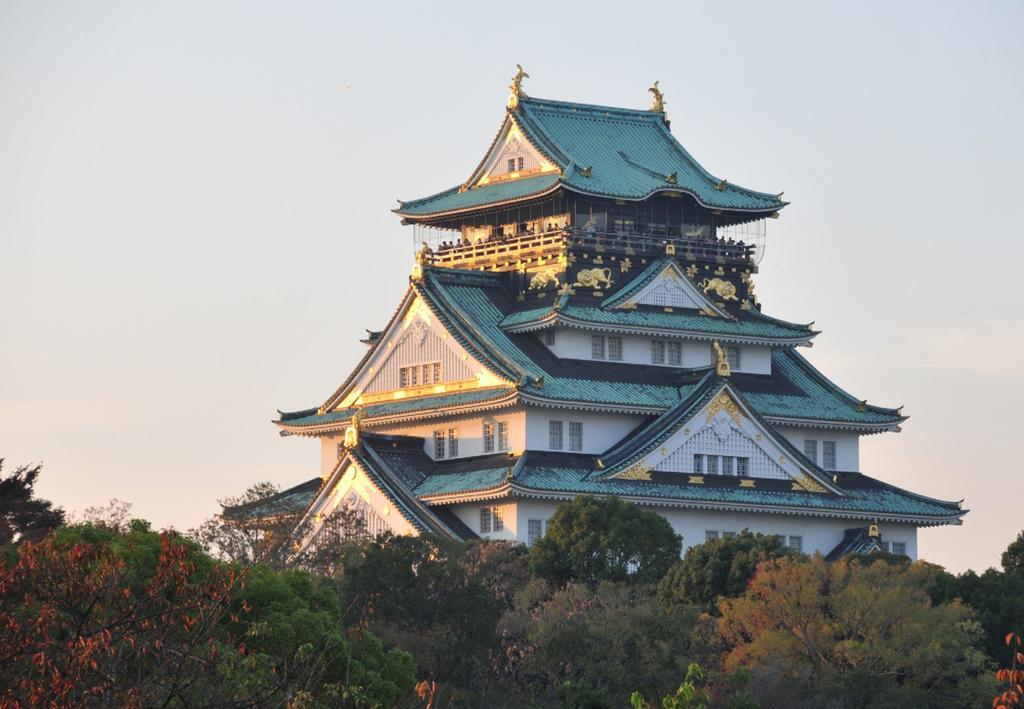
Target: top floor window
{"x": 511, "y": 164}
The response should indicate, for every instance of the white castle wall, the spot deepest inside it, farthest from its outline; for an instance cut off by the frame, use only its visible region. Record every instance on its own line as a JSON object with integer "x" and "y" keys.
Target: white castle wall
{"x": 819, "y": 535}
{"x": 600, "y": 431}
{"x": 471, "y": 442}
{"x": 576, "y": 344}
{"x": 847, "y": 444}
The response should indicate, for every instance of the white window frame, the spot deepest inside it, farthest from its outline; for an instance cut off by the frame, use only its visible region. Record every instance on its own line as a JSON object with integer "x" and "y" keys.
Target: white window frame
{"x": 453, "y": 443}
{"x": 556, "y": 435}
{"x": 598, "y": 347}
{"x": 503, "y": 435}
{"x": 657, "y": 352}
{"x": 534, "y": 531}
{"x": 899, "y": 548}
{"x": 576, "y": 436}
{"x": 829, "y": 455}
{"x": 732, "y": 356}
{"x": 674, "y": 354}
{"x": 440, "y": 436}
{"x": 796, "y": 543}
{"x": 485, "y": 520}
{"x": 614, "y": 348}
{"x": 488, "y": 436}
{"x": 499, "y": 519}
{"x": 811, "y": 450}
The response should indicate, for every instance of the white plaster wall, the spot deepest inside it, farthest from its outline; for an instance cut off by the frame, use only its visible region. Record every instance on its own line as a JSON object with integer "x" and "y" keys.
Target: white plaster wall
{"x": 471, "y": 441}
{"x": 600, "y": 431}
{"x": 847, "y": 444}
{"x": 819, "y": 535}
{"x": 469, "y": 514}
{"x": 575, "y": 344}
{"x": 329, "y": 452}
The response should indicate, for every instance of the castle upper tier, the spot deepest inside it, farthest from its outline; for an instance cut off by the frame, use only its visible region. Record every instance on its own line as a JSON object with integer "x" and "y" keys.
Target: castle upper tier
{"x": 581, "y": 320}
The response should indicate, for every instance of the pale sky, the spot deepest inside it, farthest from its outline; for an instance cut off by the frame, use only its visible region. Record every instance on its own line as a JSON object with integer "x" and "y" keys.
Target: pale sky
{"x": 195, "y": 223}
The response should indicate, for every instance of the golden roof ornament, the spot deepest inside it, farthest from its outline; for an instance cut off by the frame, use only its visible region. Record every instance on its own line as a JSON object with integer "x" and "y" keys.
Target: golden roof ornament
{"x": 422, "y": 257}
{"x": 658, "y": 102}
{"x": 352, "y": 432}
{"x": 722, "y": 368}
{"x": 517, "y": 87}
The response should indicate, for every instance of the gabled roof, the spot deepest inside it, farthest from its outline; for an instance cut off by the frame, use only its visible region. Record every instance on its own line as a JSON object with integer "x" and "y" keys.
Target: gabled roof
{"x": 474, "y": 307}
{"x": 856, "y": 541}
{"x": 291, "y": 501}
{"x": 657, "y": 433}
{"x": 610, "y": 152}
{"x": 558, "y": 476}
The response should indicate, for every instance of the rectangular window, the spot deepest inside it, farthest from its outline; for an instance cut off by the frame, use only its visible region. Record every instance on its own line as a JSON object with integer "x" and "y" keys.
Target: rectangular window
{"x": 828, "y": 455}
{"x": 511, "y": 164}
{"x": 414, "y": 378}
{"x": 499, "y": 521}
{"x": 728, "y": 535}
{"x": 597, "y": 346}
{"x": 555, "y": 435}
{"x": 710, "y": 535}
{"x": 503, "y": 435}
{"x": 811, "y": 450}
{"x": 796, "y": 543}
{"x": 549, "y": 337}
{"x": 615, "y": 349}
{"x": 453, "y": 442}
{"x": 520, "y": 162}
{"x": 657, "y": 352}
{"x": 488, "y": 438}
{"x": 899, "y": 548}
{"x": 533, "y": 533}
{"x": 674, "y": 350}
{"x": 743, "y": 467}
{"x": 438, "y": 445}
{"x": 732, "y": 356}
{"x": 575, "y": 435}
{"x": 712, "y": 465}
{"x": 485, "y": 519}
{"x": 403, "y": 377}
{"x": 547, "y": 524}
{"x": 727, "y": 465}
{"x": 698, "y": 463}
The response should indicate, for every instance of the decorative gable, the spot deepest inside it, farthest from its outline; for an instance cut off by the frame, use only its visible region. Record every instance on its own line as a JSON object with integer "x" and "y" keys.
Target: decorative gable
{"x": 511, "y": 157}
{"x": 416, "y": 356}
{"x": 722, "y": 438}
{"x": 670, "y": 288}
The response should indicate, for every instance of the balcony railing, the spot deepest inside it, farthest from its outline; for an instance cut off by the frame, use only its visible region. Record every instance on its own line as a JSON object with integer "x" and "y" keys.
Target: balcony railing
{"x": 498, "y": 249}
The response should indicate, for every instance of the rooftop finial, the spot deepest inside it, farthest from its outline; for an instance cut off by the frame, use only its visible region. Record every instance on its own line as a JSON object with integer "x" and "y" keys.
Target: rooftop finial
{"x": 658, "y": 102}
{"x": 517, "y": 87}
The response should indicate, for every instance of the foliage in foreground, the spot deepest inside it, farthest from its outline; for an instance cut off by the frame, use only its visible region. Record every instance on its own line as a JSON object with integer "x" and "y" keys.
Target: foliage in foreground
{"x": 94, "y": 616}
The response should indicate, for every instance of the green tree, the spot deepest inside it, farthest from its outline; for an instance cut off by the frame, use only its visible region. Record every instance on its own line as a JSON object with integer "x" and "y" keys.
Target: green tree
{"x": 719, "y": 567}
{"x": 23, "y": 516}
{"x": 853, "y": 635}
{"x": 593, "y": 645}
{"x": 1013, "y": 557}
{"x": 100, "y": 616}
{"x": 594, "y": 539}
{"x": 415, "y": 593}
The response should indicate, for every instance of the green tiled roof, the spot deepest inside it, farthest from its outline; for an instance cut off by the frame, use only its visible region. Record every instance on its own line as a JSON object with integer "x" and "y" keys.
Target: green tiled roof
{"x": 457, "y": 199}
{"x": 398, "y": 406}
{"x": 473, "y": 307}
{"x": 548, "y": 473}
{"x": 630, "y": 155}
{"x": 293, "y": 500}
{"x": 746, "y": 326}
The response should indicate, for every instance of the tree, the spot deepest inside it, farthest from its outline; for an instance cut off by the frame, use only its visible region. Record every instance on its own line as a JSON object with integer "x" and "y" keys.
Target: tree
{"x": 100, "y": 617}
{"x": 689, "y": 695}
{"x": 24, "y": 517}
{"x": 593, "y": 539}
{"x": 415, "y": 593}
{"x": 1013, "y": 557}
{"x": 115, "y": 515}
{"x": 718, "y": 567}
{"x": 593, "y": 646}
{"x": 852, "y": 635}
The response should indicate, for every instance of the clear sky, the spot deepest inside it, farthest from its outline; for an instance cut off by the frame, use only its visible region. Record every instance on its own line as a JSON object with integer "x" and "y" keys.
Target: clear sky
{"x": 195, "y": 225}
